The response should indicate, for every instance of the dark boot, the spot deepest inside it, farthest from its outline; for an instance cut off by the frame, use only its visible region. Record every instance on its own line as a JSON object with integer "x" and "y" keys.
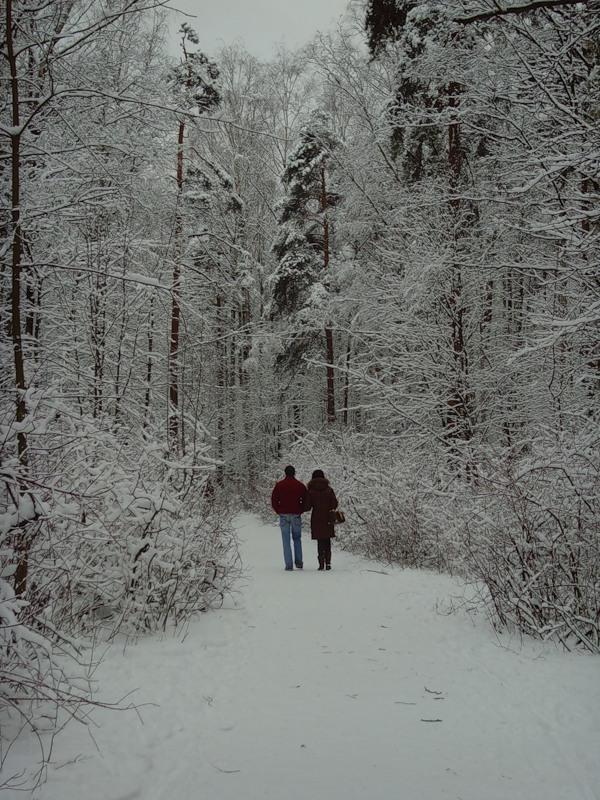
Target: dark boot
{"x": 327, "y": 553}
{"x": 321, "y": 563}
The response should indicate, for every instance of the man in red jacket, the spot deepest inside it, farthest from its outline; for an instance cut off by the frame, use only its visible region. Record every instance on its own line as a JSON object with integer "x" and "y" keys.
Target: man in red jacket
{"x": 288, "y": 500}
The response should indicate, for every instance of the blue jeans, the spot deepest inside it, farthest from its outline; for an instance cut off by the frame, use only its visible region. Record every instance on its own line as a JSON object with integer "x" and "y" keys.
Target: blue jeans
{"x": 291, "y": 523}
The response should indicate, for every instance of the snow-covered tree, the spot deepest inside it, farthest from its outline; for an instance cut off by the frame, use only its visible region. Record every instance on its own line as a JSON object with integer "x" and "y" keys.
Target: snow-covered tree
{"x": 195, "y": 92}
{"x": 301, "y": 280}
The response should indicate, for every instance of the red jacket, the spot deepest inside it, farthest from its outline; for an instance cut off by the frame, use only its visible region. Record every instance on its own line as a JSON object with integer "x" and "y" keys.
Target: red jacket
{"x": 288, "y": 496}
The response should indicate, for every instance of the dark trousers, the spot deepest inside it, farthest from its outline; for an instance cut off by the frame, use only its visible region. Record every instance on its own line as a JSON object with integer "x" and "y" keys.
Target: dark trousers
{"x": 324, "y": 551}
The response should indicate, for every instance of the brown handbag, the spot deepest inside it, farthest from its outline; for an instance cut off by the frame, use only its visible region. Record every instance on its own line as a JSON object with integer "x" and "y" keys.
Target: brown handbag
{"x": 337, "y": 516}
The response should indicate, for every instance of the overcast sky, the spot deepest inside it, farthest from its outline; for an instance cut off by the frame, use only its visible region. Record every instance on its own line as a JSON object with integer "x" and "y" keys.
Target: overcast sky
{"x": 259, "y": 24}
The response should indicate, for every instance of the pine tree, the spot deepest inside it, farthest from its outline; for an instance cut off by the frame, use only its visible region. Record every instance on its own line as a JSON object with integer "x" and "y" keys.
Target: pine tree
{"x": 303, "y": 246}
{"x": 428, "y": 142}
{"x": 193, "y": 82}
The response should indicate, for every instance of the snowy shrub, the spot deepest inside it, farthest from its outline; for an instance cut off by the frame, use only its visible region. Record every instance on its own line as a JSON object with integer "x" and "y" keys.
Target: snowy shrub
{"x": 527, "y": 529}
{"x": 394, "y": 510}
{"x": 110, "y": 536}
{"x": 119, "y": 535}
{"x": 535, "y": 542}
{"x": 140, "y": 556}
{"x": 41, "y": 685}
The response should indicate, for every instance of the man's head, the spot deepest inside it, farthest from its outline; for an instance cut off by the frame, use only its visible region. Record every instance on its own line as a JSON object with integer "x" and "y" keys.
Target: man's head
{"x": 290, "y": 471}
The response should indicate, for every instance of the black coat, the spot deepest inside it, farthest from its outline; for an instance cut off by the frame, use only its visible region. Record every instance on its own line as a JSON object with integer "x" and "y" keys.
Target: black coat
{"x": 322, "y": 500}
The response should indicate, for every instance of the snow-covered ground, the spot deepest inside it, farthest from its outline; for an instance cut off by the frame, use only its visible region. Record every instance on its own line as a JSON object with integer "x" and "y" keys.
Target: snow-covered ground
{"x": 347, "y": 684}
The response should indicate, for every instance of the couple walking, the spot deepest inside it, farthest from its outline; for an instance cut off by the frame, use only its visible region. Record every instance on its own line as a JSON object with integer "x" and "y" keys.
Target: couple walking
{"x": 290, "y": 499}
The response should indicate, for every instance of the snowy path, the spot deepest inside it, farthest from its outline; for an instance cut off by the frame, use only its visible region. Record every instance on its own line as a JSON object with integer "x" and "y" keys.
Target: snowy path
{"x": 317, "y": 685}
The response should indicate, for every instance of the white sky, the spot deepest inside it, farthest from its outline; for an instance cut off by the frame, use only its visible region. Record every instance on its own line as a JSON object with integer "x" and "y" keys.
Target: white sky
{"x": 259, "y": 24}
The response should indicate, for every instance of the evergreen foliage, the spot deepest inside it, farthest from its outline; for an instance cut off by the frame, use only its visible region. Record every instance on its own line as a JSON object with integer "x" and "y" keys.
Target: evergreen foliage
{"x": 299, "y": 244}
{"x": 194, "y": 79}
{"x": 384, "y": 21}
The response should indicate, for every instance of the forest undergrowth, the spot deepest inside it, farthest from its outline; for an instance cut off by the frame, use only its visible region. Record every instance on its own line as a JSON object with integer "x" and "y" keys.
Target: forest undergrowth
{"x": 523, "y": 525}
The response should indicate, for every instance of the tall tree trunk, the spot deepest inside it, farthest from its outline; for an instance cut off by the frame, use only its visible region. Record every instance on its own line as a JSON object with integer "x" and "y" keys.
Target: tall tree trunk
{"x": 347, "y": 380}
{"x": 33, "y": 292}
{"x": 122, "y": 327}
{"x": 149, "y": 356}
{"x": 591, "y": 350}
{"x": 22, "y": 542}
{"x": 329, "y": 354}
{"x": 221, "y": 373}
{"x": 175, "y": 306}
{"x": 98, "y": 329}
{"x": 458, "y": 416}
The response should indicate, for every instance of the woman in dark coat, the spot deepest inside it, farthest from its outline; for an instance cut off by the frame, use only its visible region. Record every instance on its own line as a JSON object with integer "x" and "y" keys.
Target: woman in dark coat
{"x": 322, "y": 500}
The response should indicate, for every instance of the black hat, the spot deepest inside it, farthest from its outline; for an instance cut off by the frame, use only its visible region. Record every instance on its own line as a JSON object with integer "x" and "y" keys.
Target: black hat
{"x": 290, "y": 471}
{"x": 318, "y": 473}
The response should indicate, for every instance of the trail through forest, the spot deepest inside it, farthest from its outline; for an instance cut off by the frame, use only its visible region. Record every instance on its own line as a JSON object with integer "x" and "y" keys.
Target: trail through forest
{"x": 349, "y": 684}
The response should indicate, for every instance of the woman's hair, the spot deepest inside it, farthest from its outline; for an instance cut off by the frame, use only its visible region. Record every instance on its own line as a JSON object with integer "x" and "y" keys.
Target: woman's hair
{"x": 318, "y": 473}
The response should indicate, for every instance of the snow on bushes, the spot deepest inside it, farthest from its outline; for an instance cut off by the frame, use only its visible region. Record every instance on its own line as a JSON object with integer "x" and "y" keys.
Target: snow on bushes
{"x": 41, "y": 686}
{"x": 534, "y": 541}
{"x": 116, "y": 538}
{"x": 394, "y": 512}
{"x": 525, "y": 527}
{"x": 122, "y": 535}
